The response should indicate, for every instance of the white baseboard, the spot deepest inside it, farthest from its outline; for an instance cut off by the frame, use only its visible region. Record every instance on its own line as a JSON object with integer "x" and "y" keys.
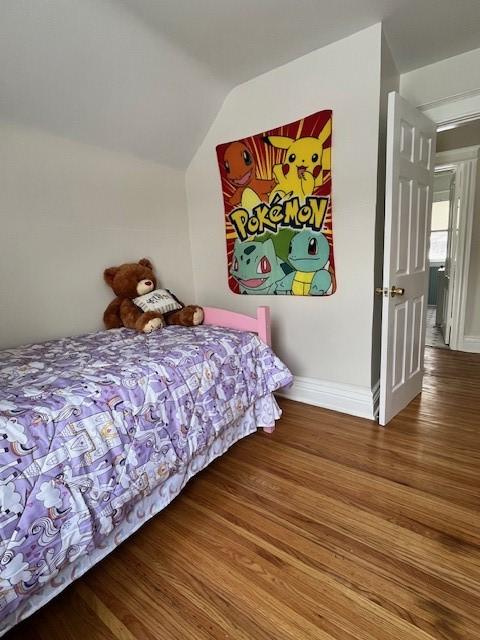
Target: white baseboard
{"x": 346, "y": 398}
{"x": 471, "y": 344}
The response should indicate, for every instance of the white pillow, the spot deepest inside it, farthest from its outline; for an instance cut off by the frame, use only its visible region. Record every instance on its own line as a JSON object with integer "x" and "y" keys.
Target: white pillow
{"x": 160, "y": 300}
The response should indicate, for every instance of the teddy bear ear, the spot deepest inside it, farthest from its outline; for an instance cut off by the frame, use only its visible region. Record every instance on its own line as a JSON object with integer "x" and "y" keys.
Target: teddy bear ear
{"x": 109, "y": 275}
{"x": 145, "y": 262}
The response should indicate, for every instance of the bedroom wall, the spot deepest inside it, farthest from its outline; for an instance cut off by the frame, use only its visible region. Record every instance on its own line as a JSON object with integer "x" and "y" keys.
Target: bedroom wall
{"x": 327, "y": 342}
{"x": 68, "y": 210}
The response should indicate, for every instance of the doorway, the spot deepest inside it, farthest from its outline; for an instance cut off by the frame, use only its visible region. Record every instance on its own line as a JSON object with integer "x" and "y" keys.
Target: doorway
{"x": 410, "y": 168}
{"x": 440, "y": 241}
{"x": 452, "y": 285}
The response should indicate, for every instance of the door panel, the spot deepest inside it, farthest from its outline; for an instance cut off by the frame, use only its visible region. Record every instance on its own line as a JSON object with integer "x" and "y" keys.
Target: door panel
{"x": 425, "y": 151}
{"x": 399, "y": 343}
{"x": 417, "y": 318}
{"x": 401, "y": 241}
{"x": 409, "y": 170}
{"x": 422, "y": 216}
{"x": 406, "y": 140}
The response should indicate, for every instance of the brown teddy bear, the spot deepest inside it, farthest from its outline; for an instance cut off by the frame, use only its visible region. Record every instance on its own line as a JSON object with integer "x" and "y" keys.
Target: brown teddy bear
{"x": 131, "y": 281}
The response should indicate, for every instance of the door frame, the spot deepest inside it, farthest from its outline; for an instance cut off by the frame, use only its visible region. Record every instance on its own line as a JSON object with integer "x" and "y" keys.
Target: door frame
{"x": 464, "y": 162}
{"x": 447, "y": 113}
{"x": 446, "y": 305}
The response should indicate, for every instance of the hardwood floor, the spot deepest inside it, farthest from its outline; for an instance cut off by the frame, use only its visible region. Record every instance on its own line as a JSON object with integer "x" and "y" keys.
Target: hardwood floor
{"x": 331, "y": 528}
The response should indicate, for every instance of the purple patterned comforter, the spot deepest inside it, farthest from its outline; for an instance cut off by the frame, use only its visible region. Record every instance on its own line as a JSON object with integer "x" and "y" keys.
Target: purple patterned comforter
{"x": 89, "y": 425}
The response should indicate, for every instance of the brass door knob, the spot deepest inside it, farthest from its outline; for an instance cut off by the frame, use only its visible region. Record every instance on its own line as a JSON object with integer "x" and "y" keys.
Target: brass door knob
{"x": 393, "y": 291}
{"x": 396, "y": 291}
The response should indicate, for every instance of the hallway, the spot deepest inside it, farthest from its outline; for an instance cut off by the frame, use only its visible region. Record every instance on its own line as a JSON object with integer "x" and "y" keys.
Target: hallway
{"x": 434, "y": 336}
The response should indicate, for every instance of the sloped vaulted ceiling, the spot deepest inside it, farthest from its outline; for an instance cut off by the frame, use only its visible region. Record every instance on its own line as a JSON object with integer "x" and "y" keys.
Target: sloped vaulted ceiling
{"x": 89, "y": 70}
{"x": 148, "y": 76}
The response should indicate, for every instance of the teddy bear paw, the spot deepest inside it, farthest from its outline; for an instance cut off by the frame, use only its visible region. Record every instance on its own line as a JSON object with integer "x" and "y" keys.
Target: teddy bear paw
{"x": 197, "y": 316}
{"x": 153, "y": 325}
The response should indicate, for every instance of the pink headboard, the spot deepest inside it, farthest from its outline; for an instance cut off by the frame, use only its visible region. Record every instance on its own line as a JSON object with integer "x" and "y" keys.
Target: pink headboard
{"x": 231, "y": 320}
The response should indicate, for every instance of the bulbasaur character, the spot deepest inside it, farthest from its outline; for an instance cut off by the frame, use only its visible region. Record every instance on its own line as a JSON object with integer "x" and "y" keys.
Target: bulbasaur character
{"x": 256, "y": 267}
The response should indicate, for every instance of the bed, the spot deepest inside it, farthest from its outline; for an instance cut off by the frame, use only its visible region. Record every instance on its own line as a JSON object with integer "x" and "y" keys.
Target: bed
{"x": 99, "y": 433}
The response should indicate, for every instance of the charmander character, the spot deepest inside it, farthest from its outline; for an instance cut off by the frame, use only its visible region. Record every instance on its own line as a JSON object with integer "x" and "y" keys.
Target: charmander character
{"x": 240, "y": 166}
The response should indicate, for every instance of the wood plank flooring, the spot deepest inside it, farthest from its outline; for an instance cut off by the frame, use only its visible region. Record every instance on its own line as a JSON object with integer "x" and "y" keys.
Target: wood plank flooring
{"x": 332, "y": 528}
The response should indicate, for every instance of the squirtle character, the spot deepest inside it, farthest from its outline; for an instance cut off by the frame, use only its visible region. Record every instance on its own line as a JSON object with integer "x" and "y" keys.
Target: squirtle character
{"x": 308, "y": 254}
{"x": 240, "y": 166}
{"x": 256, "y": 267}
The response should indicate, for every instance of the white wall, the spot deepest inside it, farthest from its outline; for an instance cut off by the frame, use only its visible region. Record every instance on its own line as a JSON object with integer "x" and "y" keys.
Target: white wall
{"x": 329, "y": 338}
{"x": 68, "y": 210}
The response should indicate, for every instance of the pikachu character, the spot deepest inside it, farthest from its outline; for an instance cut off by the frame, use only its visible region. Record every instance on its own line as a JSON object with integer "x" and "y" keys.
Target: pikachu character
{"x": 304, "y": 164}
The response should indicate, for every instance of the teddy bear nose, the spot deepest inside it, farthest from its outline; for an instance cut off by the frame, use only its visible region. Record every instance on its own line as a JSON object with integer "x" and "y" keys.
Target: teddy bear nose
{"x": 148, "y": 282}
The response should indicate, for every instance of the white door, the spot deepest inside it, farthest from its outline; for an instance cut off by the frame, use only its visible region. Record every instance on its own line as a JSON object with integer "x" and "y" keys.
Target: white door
{"x": 408, "y": 204}
{"x": 450, "y": 262}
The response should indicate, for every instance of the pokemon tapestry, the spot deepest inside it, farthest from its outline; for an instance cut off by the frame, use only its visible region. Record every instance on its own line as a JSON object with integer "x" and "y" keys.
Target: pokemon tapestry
{"x": 278, "y": 210}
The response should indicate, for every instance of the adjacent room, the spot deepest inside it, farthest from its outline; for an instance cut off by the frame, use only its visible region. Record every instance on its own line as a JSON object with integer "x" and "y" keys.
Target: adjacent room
{"x": 240, "y": 320}
{"x": 453, "y": 295}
